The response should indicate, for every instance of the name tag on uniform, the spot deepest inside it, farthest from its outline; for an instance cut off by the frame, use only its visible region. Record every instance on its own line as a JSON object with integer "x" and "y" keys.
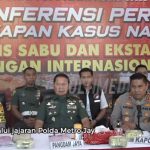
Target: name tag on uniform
{"x": 97, "y": 100}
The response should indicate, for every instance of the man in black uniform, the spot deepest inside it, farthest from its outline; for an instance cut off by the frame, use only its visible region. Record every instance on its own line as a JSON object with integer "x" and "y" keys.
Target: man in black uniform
{"x": 93, "y": 97}
{"x": 26, "y": 100}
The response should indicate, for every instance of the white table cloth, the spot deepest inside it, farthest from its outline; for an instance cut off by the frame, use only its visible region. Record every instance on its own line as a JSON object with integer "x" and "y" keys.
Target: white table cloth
{"x": 41, "y": 142}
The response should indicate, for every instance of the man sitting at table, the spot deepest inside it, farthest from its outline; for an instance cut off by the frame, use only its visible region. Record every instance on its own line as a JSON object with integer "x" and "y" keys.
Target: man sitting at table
{"x": 26, "y": 100}
{"x": 93, "y": 97}
{"x": 61, "y": 110}
{"x": 132, "y": 109}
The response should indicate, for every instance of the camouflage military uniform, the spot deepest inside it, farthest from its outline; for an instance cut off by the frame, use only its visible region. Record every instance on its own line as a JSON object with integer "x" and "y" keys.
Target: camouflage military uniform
{"x": 28, "y": 100}
{"x": 125, "y": 110}
{"x": 61, "y": 111}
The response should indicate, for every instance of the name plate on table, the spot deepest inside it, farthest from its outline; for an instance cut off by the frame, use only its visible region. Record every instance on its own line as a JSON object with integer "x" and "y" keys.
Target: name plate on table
{"x": 69, "y": 144}
{"x": 142, "y": 140}
{"x": 64, "y": 141}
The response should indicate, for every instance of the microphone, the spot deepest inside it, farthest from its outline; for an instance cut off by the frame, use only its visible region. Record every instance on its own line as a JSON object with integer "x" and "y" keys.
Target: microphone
{"x": 139, "y": 114}
{"x": 138, "y": 109}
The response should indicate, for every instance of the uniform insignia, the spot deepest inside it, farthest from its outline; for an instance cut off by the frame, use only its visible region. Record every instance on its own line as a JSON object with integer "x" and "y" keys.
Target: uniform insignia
{"x": 48, "y": 104}
{"x": 71, "y": 103}
{"x": 52, "y": 107}
{"x": 127, "y": 107}
{"x": 76, "y": 97}
{"x": 73, "y": 106}
{"x": 1, "y": 108}
{"x": 53, "y": 119}
{"x": 2, "y": 116}
{"x": 71, "y": 118}
{"x": 49, "y": 113}
{"x": 146, "y": 114}
{"x": 126, "y": 118}
{"x": 81, "y": 103}
{"x": 97, "y": 100}
{"x": 96, "y": 96}
{"x": 147, "y": 105}
{"x": 129, "y": 104}
{"x": 38, "y": 94}
{"x": 23, "y": 103}
{"x": 69, "y": 100}
{"x": 148, "y": 97}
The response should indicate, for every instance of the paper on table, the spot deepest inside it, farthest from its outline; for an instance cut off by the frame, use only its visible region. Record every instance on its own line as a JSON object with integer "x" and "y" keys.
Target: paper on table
{"x": 101, "y": 128}
{"x": 6, "y": 141}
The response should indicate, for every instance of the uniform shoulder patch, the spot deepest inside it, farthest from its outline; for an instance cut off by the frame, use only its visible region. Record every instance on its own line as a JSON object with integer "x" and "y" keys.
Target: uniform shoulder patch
{"x": 81, "y": 103}
{"x": 117, "y": 102}
{"x": 148, "y": 97}
{"x": 74, "y": 97}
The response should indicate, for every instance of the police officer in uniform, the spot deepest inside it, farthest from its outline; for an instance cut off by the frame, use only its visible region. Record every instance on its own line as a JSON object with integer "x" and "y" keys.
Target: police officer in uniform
{"x": 92, "y": 96}
{"x": 26, "y": 100}
{"x": 2, "y": 117}
{"x": 61, "y": 110}
{"x": 132, "y": 109}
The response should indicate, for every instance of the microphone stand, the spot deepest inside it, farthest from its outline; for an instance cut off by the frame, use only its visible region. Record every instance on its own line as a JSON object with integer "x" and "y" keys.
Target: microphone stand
{"x": 139, "y": 114}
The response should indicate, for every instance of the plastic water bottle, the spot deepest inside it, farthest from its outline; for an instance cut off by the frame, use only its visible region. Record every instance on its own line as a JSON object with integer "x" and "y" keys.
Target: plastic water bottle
{"x": 78, "y": 133}
{"x": 118, "y": 129}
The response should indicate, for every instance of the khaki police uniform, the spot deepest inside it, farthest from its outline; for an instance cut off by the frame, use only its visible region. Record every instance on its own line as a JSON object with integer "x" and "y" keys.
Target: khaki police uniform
{"x": 28, "y": 100}
{"x": 2, "y": 116}
{"x": 125, "y": 110}
{"x": 61, "y": 111}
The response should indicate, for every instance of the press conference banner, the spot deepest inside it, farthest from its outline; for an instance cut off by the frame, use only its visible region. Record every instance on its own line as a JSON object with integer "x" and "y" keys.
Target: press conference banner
{"x": 109, "y": 36}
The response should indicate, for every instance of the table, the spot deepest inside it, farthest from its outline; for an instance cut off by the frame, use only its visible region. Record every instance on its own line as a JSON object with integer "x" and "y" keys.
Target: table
{"x": 42, "y": 142}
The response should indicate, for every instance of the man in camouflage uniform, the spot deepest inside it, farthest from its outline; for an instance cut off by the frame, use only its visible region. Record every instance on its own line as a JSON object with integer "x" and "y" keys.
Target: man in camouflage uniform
{"x": 26, "y": 100}
{"x": 132, "y": 109}
{"x": 61, "y": 110}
